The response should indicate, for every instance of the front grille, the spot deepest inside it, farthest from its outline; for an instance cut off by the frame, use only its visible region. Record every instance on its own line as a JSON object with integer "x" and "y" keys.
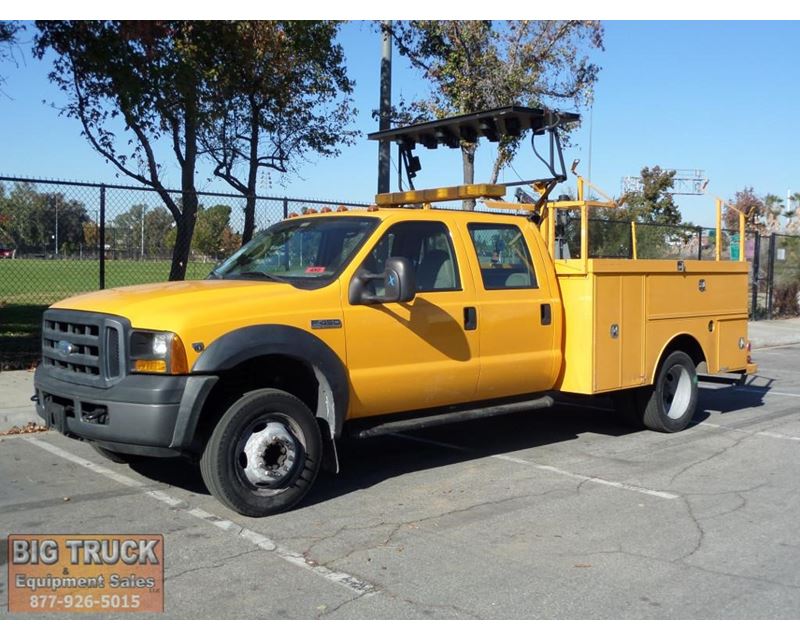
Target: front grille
{"x": 83, "y": 347}
{"x": 112, "y": 352}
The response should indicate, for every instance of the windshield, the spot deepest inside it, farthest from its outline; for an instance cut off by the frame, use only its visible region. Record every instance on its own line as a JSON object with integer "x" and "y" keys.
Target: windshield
{"x": 301, "y": 251}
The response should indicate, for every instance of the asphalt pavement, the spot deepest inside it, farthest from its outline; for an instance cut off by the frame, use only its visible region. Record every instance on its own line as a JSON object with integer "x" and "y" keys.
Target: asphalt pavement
{"x": 559, "y": 513}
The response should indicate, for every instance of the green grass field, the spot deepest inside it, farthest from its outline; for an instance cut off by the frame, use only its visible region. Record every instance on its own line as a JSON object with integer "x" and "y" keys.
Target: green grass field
{"x": 47, "y": 281}
{"x": 28, "y": 287}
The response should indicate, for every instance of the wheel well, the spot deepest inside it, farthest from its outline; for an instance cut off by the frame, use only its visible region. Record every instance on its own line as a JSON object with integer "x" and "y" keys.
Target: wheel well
{"x": 690, "y": 346}
{"x": 274, "y": 371}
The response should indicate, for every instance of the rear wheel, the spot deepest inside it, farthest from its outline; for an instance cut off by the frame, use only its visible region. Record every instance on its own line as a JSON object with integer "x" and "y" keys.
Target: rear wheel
{"x": 669, "y": 404}
{"x": 673, "y": 400}
{"x": 264, "y": 454}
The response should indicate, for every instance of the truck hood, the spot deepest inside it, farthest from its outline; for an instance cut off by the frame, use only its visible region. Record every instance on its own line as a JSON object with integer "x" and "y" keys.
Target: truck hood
{"x": 173, "y": 305}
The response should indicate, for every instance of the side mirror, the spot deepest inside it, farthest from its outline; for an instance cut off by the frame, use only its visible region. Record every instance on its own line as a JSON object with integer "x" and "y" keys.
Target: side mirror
{"x": 399, "y": 283}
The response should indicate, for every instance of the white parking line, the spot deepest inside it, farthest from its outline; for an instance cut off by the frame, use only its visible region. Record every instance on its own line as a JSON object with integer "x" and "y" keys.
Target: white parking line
{"x": 544, "y": 467}
{"x": 360, "y": 587}
{"x": 766, "y": 392}
{"x": 766, "y": 434}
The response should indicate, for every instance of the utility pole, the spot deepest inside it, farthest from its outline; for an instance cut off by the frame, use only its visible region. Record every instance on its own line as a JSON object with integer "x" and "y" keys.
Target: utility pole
{"x": 384, "y": 148}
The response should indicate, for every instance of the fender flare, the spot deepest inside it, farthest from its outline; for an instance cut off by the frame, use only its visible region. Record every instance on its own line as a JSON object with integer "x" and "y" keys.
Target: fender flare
{"x": 669, "y": 347}
{"x": 240, "y": 345}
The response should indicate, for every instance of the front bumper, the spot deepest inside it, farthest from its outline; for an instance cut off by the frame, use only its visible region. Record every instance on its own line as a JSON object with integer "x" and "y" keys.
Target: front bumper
{"x": 140, "y": 414}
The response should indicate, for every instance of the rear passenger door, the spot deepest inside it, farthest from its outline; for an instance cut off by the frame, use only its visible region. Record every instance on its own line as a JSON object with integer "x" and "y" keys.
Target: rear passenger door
{"x": 515, "y": 311}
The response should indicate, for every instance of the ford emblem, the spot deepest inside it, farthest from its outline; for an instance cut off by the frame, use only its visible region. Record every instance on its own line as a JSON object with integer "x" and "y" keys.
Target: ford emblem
{"x": 65, "y": 347}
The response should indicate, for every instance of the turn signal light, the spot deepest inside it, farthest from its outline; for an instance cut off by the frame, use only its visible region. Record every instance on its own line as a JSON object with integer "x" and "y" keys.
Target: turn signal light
{"x": 150, "y": 366}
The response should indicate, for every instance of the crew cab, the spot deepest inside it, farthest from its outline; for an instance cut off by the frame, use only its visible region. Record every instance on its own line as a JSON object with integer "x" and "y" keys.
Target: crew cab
{"x": 359, "y": 322}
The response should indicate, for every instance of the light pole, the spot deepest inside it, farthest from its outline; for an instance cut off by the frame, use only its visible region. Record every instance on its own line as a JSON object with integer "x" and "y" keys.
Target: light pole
{"x": 56, "y": 236}
{"x": 142, "y": 245}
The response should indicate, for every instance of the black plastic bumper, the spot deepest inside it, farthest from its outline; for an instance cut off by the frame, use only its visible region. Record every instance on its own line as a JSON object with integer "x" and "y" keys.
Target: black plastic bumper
{"x": 141, "y": 414}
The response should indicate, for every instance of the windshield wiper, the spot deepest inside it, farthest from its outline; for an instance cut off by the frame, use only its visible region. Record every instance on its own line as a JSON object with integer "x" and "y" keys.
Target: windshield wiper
{"x": 261, "y": 274}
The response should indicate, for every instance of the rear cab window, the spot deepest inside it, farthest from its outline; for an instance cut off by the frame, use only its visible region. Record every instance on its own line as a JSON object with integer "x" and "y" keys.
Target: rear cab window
{"x": 503, "y": 256}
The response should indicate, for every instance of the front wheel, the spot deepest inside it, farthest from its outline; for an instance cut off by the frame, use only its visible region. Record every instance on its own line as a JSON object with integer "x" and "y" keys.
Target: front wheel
{"x": 264, "y": 454}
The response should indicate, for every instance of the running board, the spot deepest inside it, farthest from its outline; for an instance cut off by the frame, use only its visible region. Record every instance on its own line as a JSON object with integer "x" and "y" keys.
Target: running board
{"x": 423, "y": 422}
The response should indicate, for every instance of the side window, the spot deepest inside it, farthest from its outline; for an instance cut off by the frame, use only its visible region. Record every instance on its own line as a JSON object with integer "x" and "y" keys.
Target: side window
{"x": 503, "y": 256}
{"x": 429, "y": 248}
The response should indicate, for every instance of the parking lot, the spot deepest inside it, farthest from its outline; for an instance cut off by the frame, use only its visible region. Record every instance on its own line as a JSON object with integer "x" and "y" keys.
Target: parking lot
{"x": 561, "y": 513}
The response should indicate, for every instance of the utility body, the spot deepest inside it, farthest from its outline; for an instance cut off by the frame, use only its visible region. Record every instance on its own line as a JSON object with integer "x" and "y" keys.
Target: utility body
{"x": 361, "y": 322}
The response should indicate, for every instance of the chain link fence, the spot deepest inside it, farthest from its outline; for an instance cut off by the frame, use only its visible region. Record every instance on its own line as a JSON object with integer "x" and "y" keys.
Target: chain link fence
{"x": 63, "y": 238}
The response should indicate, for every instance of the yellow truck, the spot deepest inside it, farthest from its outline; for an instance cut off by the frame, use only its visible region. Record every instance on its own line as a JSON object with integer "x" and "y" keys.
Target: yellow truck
{"x": 393, "y": 317}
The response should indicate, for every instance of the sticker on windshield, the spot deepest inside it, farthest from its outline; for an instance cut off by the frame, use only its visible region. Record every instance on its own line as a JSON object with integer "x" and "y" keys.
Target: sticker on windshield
{"x": 315, "y": 269}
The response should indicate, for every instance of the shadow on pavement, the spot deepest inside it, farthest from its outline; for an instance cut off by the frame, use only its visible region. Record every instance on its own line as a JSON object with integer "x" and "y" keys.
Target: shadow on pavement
{"x": 369, "y": 462}
{"x": 174, "y": 471}
{"x": 734, "y": 398}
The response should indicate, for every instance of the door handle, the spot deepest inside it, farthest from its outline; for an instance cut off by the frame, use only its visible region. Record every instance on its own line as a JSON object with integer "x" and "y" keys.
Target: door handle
{"x": 546, "y": 314}
{"x": 470, "y": 318}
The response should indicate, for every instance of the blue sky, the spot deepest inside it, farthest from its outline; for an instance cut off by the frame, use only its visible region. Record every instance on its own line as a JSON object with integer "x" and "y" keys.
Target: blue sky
{"x": 718, "y": 96}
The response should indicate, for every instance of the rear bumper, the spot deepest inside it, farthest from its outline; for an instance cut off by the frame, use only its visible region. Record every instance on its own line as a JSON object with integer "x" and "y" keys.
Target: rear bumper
{"x": 141, "y": 414}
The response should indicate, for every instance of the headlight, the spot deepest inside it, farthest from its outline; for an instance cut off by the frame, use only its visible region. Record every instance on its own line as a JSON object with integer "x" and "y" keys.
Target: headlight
{"x": 156, "y": 352}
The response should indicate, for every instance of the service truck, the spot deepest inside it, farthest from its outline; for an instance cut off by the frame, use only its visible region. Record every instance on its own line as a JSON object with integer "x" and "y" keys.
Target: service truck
{"x": 401, "y": 315}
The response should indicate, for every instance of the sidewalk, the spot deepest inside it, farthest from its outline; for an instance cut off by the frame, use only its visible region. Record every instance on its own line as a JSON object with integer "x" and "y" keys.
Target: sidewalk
{"x": 16, "y": 408}
{"x": 774, "y": 333}
{"x": 16, "y": 387}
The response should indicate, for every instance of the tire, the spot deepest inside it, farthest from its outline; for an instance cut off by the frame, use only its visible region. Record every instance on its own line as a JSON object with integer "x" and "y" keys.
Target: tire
{"x": 264, "y": 454}
{"x": 669, "y": 405}
{"x": 115, "y": 456}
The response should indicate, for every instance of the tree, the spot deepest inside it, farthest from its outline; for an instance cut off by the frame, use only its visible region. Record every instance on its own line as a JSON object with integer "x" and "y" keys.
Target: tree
{"x": 279, "y": 93}
{"x": 157, "y": 223}
{"x": 35, "y": 220}
{"x": 773, "y": 206}
{"x": 654, "y": 203}
{"x": 132, "y": 84}
{"x": 128, "y": 228}
{"x": 793, "y": 225}
{"x": 211, "y": 224}
{"x": 8, "y": 34}
{"x": 478, "y": 65}
{"x": 752, "y": 206}
{"x": 213, "y": 237}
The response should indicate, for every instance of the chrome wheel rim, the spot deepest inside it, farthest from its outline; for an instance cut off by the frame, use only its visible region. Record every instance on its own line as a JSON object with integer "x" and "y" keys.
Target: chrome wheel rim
{"x": 677, "y": 391}
{"x": 269, "y": 453}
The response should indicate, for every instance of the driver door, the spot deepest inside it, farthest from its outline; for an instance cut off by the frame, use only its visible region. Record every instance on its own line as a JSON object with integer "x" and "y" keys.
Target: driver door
{"x": 420, "y": 354}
